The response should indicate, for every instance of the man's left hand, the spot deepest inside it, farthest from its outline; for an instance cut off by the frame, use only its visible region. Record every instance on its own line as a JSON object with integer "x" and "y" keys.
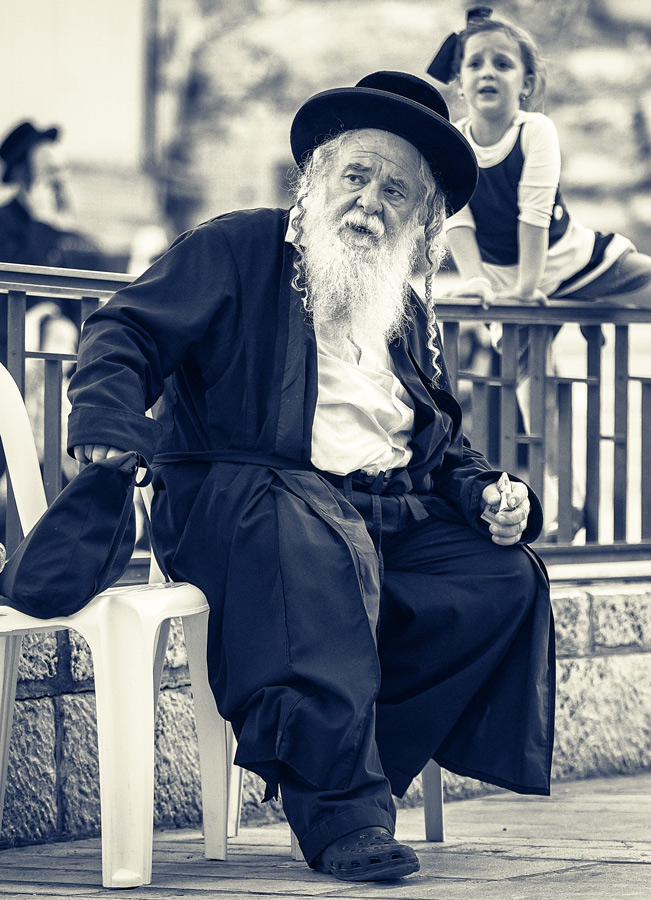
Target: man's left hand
{"x": 510, "y": 523}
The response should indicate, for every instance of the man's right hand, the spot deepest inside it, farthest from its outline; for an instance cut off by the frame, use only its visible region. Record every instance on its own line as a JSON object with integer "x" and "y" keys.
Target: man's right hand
{"x": 87, "y": 453}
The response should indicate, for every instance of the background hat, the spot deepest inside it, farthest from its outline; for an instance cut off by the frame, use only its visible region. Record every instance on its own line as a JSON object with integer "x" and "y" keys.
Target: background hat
{"x": 19, "y": 142}
{"x": 404, "y": 105}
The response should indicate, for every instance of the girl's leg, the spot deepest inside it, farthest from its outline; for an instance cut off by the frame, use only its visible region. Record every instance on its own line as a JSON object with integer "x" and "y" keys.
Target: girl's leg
{"x": 627, "y": 282}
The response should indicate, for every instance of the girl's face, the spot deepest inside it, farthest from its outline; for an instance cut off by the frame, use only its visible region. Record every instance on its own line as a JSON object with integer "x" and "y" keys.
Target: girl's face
{"x": 492, "y": 75}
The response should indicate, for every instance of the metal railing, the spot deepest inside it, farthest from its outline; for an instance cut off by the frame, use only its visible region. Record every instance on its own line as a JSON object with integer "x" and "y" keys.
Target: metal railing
{"x": 587, "y": 433}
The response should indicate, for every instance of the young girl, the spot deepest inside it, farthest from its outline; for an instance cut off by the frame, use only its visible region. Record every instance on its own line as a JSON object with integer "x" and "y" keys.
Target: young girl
{"x": 516, "y": 238}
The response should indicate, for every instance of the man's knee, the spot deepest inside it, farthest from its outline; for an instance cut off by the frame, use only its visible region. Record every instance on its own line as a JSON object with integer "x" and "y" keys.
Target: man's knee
{"x": 518, "y": 570}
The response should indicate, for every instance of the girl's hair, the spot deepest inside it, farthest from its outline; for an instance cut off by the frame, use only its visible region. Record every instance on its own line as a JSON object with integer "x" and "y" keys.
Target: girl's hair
{"x": 529, "y": 52}
{"x": 431, "y": 203}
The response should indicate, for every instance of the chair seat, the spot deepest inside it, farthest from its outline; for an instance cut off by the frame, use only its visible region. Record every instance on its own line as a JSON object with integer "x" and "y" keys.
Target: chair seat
{"x": 156, "y": 601}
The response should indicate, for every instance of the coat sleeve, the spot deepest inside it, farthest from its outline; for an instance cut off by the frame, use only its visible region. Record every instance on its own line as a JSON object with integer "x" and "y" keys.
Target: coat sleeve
{"x": 464, "y": 472}
{"x": 145, "y": 331}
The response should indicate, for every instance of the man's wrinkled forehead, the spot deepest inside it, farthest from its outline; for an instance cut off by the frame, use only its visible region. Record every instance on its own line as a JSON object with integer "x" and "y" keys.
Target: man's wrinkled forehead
{"x": 380, "y": 148}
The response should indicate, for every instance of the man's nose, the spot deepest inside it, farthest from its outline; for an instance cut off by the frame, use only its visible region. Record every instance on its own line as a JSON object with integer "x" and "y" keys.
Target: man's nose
{"x": 369, "y": 199}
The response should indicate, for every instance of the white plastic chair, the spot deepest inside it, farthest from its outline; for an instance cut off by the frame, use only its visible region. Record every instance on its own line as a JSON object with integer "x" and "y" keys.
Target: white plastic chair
{"x": 126, "y": 628}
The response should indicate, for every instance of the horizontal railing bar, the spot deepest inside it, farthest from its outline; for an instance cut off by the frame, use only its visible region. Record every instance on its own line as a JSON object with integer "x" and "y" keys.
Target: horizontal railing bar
{"x": 41, "y": 281}
{"x": 41, "y": 354}
{"x": 496, "y": 425}
{"x": 559, "y": 313}
{"x": 617, "y": 551}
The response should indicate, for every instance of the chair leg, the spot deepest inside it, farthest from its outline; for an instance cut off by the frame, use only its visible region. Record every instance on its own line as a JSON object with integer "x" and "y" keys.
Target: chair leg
{"x": 433, "y": 802}
{"x": 235, "y": 784}
{"x": 296, "y": 849}
{"x": 214, "y": 759}
{"x": 10, "y": 647}
{"x": 122, "y": 643}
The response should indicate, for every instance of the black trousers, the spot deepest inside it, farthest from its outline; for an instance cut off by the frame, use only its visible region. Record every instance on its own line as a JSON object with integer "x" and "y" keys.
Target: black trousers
{"x": 466, "y": 673}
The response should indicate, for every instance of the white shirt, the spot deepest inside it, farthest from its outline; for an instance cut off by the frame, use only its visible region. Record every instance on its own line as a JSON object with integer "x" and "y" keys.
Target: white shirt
{"x": 536, "y": 192}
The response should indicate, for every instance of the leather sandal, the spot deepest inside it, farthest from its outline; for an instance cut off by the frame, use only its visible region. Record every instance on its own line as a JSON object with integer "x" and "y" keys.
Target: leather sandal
{"x": 369, "y": 854}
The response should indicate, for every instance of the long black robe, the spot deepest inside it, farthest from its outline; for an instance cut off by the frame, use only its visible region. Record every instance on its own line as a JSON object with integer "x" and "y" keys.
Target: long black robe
{"x": 286, "y": 561}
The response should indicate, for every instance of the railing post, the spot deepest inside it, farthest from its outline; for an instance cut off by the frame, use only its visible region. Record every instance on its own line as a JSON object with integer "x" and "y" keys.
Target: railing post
{"x": 508, "y": 398}
{"x": 645, "y": 461}
{"x": 593, "y": 336}
{"x": 564, "y": 451}
{"x": 52, "y": 426}
{"x": 16, "y": 308}
{"x": 620, "y": 434}
{"x": 451, "y": 347}
{"x": 538, "y": 348}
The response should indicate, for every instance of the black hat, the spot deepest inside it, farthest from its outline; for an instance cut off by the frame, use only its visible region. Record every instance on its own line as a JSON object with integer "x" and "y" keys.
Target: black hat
{"x": 404, "y": 105}
{"x": 19, "y": 142}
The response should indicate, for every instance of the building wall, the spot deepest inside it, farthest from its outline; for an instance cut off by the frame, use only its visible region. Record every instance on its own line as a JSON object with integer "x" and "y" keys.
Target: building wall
{"x": 80, "y": 64}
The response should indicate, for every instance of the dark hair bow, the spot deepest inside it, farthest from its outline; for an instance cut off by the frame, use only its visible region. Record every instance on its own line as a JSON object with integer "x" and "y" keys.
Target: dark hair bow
{"x": 442, "y": 66}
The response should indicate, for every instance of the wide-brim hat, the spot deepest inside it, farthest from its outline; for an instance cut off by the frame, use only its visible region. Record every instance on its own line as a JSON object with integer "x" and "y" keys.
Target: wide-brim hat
{"x": 401, "y": 104}
{"x": 19, "y": 142}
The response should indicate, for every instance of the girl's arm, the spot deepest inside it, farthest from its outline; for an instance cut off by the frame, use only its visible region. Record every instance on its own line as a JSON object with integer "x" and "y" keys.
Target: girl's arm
{"x": 467, "y": 258}
{"x": 533, "y": 244}
{"x": 536, "y": 195}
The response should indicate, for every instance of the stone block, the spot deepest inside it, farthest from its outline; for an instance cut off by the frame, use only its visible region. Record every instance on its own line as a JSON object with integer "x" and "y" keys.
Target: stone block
{"x": 572, "y": 621}
{"x": 603, "y": 716}
{"x": 39, "y": 657}
{"x": 31, "y": 809}
{"x": 621, "y": 617}
{"x": 81, "y": 660}
{"x": 78, "y": 765}
{"x": 176, "y": 656}
{"x": 177, "y": 794}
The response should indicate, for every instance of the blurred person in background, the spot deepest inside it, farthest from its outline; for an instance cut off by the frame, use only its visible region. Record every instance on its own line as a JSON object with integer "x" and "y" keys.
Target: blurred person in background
{"x": 37, "y": 225}
{"x": 37, "y": 228}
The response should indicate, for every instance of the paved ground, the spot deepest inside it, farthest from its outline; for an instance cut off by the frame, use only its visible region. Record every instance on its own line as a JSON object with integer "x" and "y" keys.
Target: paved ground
{"x": 590, "y": 840}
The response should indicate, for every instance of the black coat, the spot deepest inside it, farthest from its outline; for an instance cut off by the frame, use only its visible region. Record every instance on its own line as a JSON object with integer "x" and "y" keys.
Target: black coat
{"x": 239, "y": 509}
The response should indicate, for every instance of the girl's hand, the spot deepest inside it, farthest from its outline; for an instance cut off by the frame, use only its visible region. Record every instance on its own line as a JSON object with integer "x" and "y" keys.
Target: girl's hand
{"x": 535, "y": 297}
{"x": 508, "y": 526}
{"x": 477, "y": 286}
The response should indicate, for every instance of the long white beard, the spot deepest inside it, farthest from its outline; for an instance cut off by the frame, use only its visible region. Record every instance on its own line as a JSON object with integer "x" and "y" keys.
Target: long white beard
{"x": 356, "y": 290}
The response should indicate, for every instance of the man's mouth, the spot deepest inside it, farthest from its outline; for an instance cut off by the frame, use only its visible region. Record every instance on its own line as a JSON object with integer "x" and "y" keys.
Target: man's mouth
{"x": 362, "y": 226}
{"x": 360, "y": 229}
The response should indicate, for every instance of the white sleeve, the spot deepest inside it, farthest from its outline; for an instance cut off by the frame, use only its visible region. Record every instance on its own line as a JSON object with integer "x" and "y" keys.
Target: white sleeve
{"x": 462, "y": 217}
{"x": 541, "y": 171}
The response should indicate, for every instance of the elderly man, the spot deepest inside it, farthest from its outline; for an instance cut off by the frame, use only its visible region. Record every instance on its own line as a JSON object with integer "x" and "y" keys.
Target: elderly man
{"x": 313, "y": 479}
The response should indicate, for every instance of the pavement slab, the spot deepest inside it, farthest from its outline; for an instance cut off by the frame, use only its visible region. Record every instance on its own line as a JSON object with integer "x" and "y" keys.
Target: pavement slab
{"x": 591, "y": 840}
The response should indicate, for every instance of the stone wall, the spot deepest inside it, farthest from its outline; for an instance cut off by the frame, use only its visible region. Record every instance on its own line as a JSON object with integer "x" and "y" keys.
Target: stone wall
{"x": 603, "y": 720}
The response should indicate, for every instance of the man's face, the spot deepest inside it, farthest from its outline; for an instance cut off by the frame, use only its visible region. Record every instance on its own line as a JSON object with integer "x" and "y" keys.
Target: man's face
{"x": 49, "y": 170}
{"x": 372, "y": 187}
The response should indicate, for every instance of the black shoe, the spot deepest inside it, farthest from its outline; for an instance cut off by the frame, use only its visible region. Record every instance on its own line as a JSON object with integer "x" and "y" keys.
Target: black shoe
{"x": 370, "y": 854}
